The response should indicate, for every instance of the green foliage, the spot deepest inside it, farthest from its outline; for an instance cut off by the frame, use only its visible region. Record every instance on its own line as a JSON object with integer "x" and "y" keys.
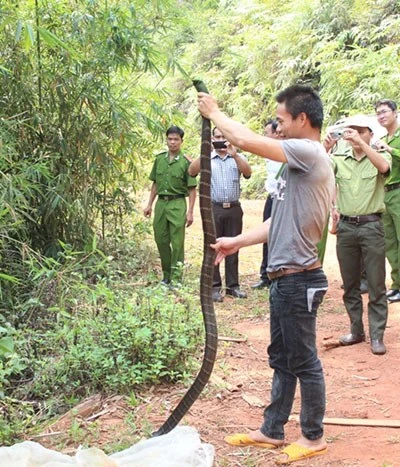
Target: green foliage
{"x": 247, "y": 51}
{"x": 122, "y": 343}
{"x": 88, "y": 116}
{"x": 92, "y": 323}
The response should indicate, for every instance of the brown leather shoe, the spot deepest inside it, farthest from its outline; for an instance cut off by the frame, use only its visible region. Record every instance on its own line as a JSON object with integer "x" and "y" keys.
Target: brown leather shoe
{"x": 378, "y": 347}
{"x": 351, "y": 339}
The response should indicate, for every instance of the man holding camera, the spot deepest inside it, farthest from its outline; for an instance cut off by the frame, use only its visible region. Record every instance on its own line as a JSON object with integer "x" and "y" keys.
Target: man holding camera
{"x": 227, "y": 165}
{"x": 360, "y": 172}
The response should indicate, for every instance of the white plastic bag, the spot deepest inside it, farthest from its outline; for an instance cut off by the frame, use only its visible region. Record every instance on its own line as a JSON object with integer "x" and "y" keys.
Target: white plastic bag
{"x": 181, "y": 447}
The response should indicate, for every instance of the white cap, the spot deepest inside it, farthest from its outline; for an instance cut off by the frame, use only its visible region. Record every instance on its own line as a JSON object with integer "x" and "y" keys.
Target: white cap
{"x": 361, "y": 121}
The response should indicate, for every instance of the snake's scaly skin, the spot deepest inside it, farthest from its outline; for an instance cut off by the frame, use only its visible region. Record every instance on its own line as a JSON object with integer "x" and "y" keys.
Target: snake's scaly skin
{"x": 206, "y": 281}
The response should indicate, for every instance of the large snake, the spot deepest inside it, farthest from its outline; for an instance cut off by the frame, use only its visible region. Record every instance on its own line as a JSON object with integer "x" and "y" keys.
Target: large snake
{"x": 206, "y": 278}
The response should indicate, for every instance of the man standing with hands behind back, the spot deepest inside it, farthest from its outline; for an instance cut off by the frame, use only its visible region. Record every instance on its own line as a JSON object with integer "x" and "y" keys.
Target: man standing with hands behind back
{"x": 386, "y": 113}
{"x": 227, "y": 165}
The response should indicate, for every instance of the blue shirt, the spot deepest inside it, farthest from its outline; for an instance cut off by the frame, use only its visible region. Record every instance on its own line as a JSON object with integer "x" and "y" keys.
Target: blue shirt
{"x": 225, "y": 178}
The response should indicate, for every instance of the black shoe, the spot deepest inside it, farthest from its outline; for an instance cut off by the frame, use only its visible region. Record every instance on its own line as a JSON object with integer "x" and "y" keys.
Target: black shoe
{"x": 261, "y": 284}
{"x": 391, "y": 292}
{"x": 351, "y": 339}
{"x": 378, "y": 347}
{"x": 394, "y": 298}
{"x": 237, "y": 293}
{"x": 217, "y": 297}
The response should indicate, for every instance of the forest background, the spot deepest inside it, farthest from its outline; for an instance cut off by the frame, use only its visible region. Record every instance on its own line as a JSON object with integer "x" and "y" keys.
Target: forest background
{"x": 88, "y": 89}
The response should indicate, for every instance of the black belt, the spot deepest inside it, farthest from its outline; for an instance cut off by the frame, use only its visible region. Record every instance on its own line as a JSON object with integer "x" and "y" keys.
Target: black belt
{"x": 229, "y": 204}
{"x": 286, "y": 272}
{"x": 361, "y": 219}
{"x": 391, "y": 187}
{"x": 170, "y": 197}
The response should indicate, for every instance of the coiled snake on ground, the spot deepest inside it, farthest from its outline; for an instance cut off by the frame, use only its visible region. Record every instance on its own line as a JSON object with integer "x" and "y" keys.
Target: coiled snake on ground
{"x": 206, "y": 278}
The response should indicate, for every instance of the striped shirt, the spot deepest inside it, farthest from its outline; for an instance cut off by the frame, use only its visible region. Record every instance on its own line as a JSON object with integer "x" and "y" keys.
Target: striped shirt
{"x": 225, "y": 178}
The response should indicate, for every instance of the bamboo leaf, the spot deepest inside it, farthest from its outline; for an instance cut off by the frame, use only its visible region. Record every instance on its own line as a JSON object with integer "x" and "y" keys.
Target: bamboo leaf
{"x": 18, "y": 31}
{"x": 53, "y": 41}
{"x": 9, "y": 278}
{"x": 94, "y": 243}
{"x": 29, "y": 36}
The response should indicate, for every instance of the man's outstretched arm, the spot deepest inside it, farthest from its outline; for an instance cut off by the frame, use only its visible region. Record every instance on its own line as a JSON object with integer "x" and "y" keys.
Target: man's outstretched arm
{"x": 239, "y": 135}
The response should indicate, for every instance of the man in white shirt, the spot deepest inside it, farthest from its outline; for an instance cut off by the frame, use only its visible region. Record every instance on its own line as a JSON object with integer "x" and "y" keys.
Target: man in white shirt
{"x": 271, "y": 187}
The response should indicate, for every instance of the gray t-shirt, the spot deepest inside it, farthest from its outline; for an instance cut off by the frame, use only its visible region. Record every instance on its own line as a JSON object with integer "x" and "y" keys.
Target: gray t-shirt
{"x": 301, "y": 206}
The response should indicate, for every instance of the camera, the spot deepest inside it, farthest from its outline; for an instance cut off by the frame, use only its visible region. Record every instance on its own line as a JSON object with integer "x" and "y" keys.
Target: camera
{"x": 377, "y": 147}
{"x": 219, "y": 144}
{"x": 337, "y": 134}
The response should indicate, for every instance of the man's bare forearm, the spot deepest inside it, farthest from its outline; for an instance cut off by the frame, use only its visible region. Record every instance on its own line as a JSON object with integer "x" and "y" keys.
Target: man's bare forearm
{"x": 258, "y": 235}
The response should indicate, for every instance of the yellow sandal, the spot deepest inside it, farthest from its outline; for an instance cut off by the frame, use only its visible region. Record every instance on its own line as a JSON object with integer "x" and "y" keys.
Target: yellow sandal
{"x": 295, "y": 452}
{"x": 243, "y": 439}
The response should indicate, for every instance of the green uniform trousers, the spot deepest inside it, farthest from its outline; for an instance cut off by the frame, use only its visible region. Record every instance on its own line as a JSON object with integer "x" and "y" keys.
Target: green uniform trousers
{"x": 391, "y": 223}
{"x": 169, "y": 233}
{"x": 356, "y": 242}
{"x": 321, "y": 246}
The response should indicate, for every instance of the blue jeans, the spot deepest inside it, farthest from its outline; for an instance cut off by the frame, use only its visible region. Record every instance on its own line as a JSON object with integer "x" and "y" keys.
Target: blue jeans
{"x": 294, "y": 301}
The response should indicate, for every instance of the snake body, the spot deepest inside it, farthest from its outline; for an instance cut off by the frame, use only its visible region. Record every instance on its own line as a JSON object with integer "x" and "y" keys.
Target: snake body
{"x": 206, "y": 279}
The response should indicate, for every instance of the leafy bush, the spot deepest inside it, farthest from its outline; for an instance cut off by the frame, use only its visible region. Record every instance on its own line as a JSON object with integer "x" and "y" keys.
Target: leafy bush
{"x": 88, "y": 322}
{"x": 122, "y": 342}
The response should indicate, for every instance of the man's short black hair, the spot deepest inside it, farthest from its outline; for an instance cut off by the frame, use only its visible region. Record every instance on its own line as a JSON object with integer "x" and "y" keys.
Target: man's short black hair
{"x": 300, "y": 98}
{"x": 391, "y": 104}
{"x": 175, "y": 130}
{"x": 274, "y": 124}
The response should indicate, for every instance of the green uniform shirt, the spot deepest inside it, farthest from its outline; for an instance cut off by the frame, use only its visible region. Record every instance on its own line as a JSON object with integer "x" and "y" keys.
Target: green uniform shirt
{"x": 394, "y": 142}
{"x": 359, "y": 184}
{"x": 171, "y": 177}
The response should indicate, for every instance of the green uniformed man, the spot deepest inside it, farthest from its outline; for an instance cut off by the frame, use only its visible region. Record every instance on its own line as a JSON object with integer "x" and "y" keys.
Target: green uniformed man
{"x": 386, "y": 112}
{"x": 360, "y": 172}
{"x": 172, "y": 183}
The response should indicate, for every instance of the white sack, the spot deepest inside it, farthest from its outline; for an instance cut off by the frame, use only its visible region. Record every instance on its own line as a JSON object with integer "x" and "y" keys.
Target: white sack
{"x": 179, "y": 448}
